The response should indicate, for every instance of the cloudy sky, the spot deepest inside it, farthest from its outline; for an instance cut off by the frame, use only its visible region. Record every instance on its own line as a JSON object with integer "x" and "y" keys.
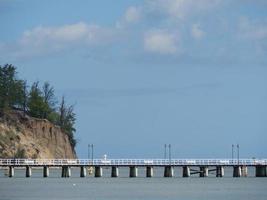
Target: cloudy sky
{"x": 144, "y": 73}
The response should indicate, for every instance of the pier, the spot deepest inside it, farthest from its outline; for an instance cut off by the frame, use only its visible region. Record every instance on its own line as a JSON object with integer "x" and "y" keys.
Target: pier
{"x": 202, "y": 167}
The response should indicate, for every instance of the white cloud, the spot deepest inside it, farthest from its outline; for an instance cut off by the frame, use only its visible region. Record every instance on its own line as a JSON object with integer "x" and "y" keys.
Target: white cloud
{"x": 42, "y": 40}
{"x": 158, "y": 26}
{"x": 73, "y": 33}
{"x": 132, "y": 14}
{"x": 161, "y": 41}
{"x": 197, "y": 32}
{"x": 152, "y": 10}
{"x": 180, "y": 8}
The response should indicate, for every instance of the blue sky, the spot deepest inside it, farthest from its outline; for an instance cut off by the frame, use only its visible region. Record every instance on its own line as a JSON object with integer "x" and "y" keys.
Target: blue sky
{"x": 145, "y": 73}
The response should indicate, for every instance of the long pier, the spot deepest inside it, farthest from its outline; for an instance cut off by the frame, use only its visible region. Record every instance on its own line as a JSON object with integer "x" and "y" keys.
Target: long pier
{"x": 188, "y": 166}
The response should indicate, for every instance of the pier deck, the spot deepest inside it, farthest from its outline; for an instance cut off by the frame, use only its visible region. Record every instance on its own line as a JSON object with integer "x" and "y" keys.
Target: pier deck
{"x": 132, "y": 162}
{"x": 188, "y": 165}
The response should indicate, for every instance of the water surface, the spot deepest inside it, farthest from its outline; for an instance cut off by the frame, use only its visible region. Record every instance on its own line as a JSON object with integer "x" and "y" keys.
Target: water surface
{"x": 124, "y": 188}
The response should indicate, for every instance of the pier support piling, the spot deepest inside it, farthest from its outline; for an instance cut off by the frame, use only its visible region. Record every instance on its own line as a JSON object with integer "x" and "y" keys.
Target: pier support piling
{"x": 46, "y": 171}
{"x": 28, "y": 171}
{"x": 204, "y": 172}
{"x": 63, "y": 172}
{"x": 133, "y": 171}
{"x": 98, "y": 171}
{"x": 66, "y": 172}
{"x": 186, "y": 171}
{"x": 82, "y": 171}
{"x": 11, "y": 171}
{"x": 261, "y": 171}
{"x": 244, "y": 171}
{"x": 168, "y": 171}
{"x": 114, "y": 171}
{"x": 149, "y": 171}
{"x": 237, "y": 171}
{"x": 219, "y": 171}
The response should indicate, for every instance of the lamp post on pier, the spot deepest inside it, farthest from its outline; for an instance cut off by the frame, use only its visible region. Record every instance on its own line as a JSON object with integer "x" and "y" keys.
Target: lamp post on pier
{"x": 91, "y": 153}
{"x": 233, "y": 146}
{"x": 170, "y": 154}
{"x": 88, "y": 153}
{"x": 165, "y": 151}
{"x": 237, "y": 146}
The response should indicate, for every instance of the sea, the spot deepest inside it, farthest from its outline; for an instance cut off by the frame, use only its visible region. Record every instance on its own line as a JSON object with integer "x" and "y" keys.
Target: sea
{"x": 124, "y": 188}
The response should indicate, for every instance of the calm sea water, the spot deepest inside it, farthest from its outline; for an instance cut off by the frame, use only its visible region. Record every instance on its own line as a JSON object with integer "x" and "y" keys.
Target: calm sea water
{"x": 124, "y": 188}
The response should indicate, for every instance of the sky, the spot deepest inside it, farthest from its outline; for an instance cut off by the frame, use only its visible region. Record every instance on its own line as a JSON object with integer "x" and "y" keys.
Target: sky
{"x": 144, "y": 73}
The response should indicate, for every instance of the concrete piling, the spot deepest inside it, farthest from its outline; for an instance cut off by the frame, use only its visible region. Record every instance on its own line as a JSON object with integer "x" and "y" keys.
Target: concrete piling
{"x": 11, "y": 171}
{"x": 82, "y": 171}
{"x": 46, "y": 171}
{"x": 28, "y": 171}
{"x": 204, "y": 172}
{"x": 63, "y": 172}
{"x": 244, "y": 171}
{"x": 261, "y": 171}
{"x": 186, "y": 171}
{"x": 133, "y": 172}
{"x": 168, "y": 171}
{"x": 149, "y": 171}
{"x": 114, "y": 171}
{"x": 237, "y": 171}
{"x": 66, "y": 172}
{"x": 219, "y": 171}
{"x": 98, "y": 171}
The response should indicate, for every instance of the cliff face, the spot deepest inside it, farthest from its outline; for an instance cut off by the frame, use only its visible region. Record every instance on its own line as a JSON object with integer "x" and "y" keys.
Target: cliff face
{"x": 26, "y": 137}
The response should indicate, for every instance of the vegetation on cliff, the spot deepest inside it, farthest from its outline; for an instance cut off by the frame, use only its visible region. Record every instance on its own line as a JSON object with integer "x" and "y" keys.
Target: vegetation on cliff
{"x": 35, "y": 101}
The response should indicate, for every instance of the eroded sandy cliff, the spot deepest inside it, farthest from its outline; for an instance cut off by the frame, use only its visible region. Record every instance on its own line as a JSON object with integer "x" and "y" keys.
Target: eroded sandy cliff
{"x": 24, "y": 136}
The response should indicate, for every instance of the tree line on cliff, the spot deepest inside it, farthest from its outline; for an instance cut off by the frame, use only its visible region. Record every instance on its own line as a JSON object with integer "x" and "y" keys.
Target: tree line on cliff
{"x": 35, "y": 100}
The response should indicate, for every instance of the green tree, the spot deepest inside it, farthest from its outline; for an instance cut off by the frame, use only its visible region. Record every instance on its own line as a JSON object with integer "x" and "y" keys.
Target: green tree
{"x": 49, "y": 101}
{"x": 67, "y": 120}
{"x": 20, "y": 96}
{"x": 24, "y": 97}
{"x": 36, "y": 104}
{"x": 11, "y": 88}
{"x": 39, "y": 103}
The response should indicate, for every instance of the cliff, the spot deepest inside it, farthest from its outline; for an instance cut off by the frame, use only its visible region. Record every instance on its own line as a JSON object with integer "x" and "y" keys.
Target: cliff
{"x": 27, "y": 137}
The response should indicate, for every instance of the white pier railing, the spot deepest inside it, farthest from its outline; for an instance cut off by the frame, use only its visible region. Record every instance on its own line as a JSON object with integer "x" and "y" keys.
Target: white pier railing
{"x": 132, "y": 162}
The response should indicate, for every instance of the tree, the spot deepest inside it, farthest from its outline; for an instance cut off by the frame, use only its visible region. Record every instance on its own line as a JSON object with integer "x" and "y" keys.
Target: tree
{"x": 7, "y": 74}
{"x": 11, "y": 89}
{"x": 49, "y": 99}
{"x": 67, "y": 120}
{"x": 20, "y": 95}
{"x": 36, "y": 104}
{"x": 39, "y": 103}
{"x": 62, "y": 112}
{"x": 25, "y": 97}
